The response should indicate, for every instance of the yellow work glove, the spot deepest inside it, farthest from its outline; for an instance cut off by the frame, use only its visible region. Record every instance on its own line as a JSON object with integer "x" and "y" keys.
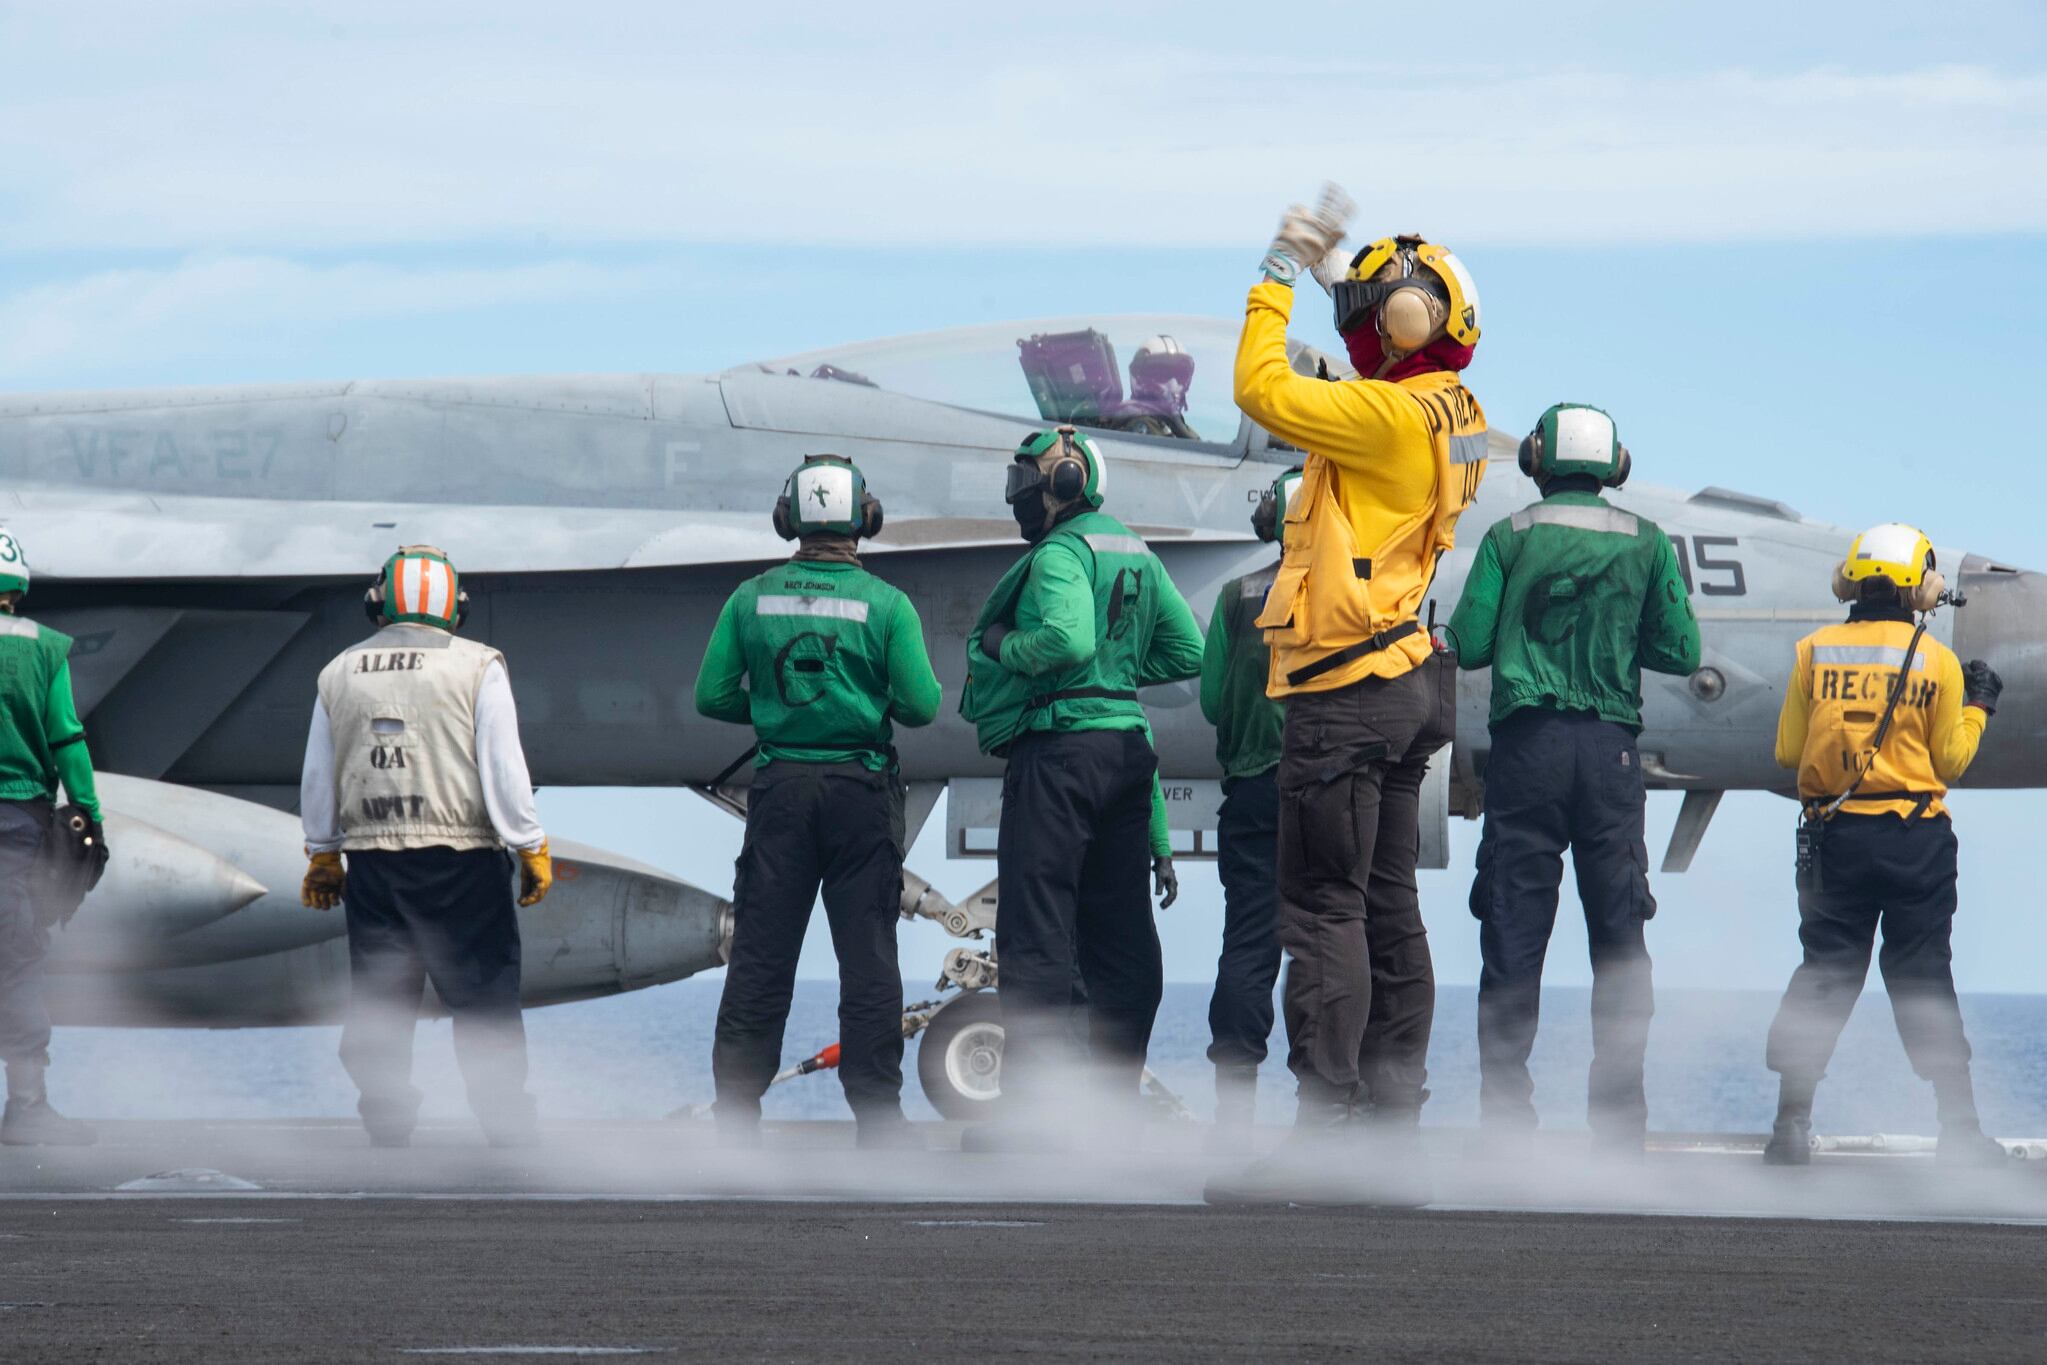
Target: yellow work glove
{"x": 536, "y": 874}
{"x": 325, "y": 881}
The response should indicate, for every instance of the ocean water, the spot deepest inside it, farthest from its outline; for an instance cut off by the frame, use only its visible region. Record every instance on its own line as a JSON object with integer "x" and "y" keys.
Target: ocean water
{"x": 647, "y": 1054}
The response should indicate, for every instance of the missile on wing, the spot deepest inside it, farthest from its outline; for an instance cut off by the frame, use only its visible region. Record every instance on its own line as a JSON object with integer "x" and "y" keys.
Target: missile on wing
{"x": 198, "y": 921}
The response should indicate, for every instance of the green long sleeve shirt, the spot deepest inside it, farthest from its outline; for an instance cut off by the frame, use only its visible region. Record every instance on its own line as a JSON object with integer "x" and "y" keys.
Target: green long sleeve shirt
{"x": 1235, "y": 663}
{"x": 42, "y": 742}
{"x": 1055, "y": 628}
{"x": 1567, "y": 602}
{"x": 822, "y": 659}
{"x": 1056, "y": 631}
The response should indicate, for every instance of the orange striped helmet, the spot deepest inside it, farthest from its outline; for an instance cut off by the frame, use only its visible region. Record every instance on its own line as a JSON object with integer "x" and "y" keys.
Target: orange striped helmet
{"x": 420, "y": 587}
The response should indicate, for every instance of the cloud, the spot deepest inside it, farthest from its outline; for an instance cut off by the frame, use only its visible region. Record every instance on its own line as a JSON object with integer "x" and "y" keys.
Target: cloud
{"x": 215, "y": 306}
{"x": 217, "y": 128}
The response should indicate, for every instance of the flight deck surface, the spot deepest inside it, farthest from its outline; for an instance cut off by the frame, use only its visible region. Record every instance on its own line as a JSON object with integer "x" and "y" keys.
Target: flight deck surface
{"x": 616, "y": 1238}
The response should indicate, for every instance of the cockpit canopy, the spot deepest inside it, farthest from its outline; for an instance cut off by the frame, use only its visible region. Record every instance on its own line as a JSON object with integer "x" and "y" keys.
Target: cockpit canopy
{"x": 1163, "y": 376}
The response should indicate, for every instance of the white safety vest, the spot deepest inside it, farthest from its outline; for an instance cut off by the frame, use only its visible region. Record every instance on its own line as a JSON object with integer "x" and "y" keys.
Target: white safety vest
{"x": 402, "y": 705}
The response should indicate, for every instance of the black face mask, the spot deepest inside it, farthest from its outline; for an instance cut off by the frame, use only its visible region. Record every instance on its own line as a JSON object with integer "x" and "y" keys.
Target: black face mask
{"x": 1031, "y": 517}
{"x": 1025, "y": 495}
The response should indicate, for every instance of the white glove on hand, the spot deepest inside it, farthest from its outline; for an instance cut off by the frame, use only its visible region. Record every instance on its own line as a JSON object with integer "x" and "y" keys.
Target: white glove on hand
{"x": 1307, "y": 236}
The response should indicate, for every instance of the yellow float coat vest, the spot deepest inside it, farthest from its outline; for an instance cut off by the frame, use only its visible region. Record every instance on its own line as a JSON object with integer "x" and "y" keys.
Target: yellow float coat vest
{"x": 1838, "y": 689}
{"x": 1340, "y": 611}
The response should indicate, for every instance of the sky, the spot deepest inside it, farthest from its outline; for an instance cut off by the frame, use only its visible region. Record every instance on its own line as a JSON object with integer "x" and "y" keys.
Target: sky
{"x": 1796, "y": 250}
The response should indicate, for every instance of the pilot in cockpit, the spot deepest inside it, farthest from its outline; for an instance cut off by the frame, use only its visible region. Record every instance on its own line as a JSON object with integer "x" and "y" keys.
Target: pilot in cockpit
{"x": 1160, "y": 374}
{"x": 1074, "y": 379}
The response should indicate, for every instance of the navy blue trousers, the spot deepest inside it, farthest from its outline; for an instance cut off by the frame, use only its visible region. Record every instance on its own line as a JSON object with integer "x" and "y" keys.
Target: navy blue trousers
{"x": 1555, "y": 781}
{"x": 1082, "y": 970}
{"x": 1240, "y": 1012}
{"x": 24, "y": 1013}
{"x": 1878, "y": 871}
{"x": 446, "y": 916}
{"x": 812, "y": 826}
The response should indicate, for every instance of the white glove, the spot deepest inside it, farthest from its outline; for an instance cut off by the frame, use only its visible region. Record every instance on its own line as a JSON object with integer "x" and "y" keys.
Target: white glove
{"x": 1307, "y": 236}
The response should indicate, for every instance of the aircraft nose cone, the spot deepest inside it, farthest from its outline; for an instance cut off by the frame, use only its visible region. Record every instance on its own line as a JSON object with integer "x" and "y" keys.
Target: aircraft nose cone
{"x": 2004, "y": 623}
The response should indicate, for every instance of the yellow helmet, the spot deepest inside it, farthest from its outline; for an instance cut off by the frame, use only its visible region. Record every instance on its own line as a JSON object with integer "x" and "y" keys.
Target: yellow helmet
{"x": 1899, "y": 554}
{"x": 1418, "y": 289}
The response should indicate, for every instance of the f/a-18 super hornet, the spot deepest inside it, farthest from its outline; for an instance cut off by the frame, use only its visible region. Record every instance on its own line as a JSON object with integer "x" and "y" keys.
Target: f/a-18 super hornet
{"x": 207, "y": 548}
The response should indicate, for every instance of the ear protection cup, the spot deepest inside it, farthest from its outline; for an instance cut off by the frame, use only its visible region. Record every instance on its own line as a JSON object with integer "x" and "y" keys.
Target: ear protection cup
{"x": 1069, "y": 480}
{"x": 1845, "y": 588}
{"x": 1624, "y": 467}
{"x": 781, "y": 518}
{"x": 1926, "y": 596}
{"x": 870, "y": 516}
{"x": 1410, "y": 317}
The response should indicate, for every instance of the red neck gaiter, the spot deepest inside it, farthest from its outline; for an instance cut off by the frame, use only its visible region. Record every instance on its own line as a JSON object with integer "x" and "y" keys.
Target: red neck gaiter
{"x": 1367, "y": 355}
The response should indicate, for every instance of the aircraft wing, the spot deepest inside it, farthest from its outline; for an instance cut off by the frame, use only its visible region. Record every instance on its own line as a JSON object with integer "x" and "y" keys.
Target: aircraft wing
{"x": 84, "y": 537}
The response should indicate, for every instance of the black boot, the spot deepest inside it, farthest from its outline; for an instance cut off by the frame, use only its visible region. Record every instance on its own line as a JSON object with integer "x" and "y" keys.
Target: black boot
{"x": 389, "y": 1119}
{"x": 30, "y": 1121}
{"x": 1963, "y": 1143}
{"x": 513, "y": 1121}
{"x": 1790, "y": 1141}
{"x": 886, "y": 1130}
{"x": 1236, "y": 1104}
{"x": 1314, "y": 1165}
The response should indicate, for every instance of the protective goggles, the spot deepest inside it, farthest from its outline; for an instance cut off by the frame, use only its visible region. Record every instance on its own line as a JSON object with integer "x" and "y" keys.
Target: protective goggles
{"x": 1357, "y": 300}
{"x": 1025, "y": 478}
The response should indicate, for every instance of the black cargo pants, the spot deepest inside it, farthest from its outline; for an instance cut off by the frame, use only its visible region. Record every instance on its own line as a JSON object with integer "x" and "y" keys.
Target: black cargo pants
{"x": 1247, "y": 850}
{"x": 1878, "y": 871}
{"x": 1360, "y": 994}
{"x": 809, "y": 825}
{"x": 446, "y": 916}
{"x": 1074, "y": 867}
{"x": 24, "y": 1010}
{"x": 1559, "y": 780}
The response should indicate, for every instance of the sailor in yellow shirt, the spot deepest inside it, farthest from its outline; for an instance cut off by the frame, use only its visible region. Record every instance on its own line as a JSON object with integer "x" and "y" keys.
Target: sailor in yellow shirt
{"x": 1874, "y": 760}
{"x": 1394, "y": 456}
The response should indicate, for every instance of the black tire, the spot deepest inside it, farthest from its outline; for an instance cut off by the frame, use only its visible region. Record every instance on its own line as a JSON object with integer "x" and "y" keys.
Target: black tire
{"x": 954, "y": 1063}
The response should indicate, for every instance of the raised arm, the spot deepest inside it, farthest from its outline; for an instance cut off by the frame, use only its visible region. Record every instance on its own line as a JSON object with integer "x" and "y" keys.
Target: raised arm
{"x": 1350, "y": 423}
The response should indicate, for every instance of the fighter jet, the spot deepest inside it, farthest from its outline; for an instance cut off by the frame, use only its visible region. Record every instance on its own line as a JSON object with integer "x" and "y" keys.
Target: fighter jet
{"x": 208, "y": 549}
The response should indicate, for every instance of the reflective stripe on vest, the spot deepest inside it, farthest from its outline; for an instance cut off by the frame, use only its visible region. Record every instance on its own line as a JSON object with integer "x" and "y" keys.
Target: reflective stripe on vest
{"x": 1868, "y": 656}
{"x": 1116, "y": 545}
{"x": 1610, "y": 519}
{"x": 834, "y": 608}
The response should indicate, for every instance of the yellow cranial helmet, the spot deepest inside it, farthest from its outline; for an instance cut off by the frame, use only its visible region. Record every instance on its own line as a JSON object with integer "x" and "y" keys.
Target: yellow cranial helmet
{"x": 1897, "y": 554}
{"x": 1418, "y": 290}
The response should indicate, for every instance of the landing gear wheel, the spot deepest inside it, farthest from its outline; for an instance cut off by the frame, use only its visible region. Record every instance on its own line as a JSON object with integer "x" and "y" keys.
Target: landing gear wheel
{"x": 959, "y": 1061}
